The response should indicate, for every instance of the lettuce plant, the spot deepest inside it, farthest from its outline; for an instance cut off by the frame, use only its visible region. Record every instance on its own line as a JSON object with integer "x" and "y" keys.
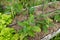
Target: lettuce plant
{"x": 8, "y": 34}
{"x": 5, "y": 19}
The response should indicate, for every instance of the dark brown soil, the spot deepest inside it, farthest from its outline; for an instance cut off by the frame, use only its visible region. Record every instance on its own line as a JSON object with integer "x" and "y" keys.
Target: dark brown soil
{"x": 40, "y": 35}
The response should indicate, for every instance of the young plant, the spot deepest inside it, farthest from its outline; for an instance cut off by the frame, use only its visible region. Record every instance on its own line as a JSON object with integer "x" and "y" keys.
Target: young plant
{"x": 8, "y": 34}
{"x": 57, "y": 17}
{"x": 28, "y": 28}
{"x": 44, "y": 22}
{"x": 5, "y": 19}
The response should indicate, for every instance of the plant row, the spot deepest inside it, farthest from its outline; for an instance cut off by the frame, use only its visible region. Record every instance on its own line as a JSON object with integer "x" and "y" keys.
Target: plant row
{"x": 16, "y": 6}
{"x": 29, "y": 27}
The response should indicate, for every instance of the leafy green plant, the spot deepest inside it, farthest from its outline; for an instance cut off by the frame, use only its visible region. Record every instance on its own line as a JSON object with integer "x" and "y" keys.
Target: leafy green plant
{"x": 15, "y": 37}
{"x": 57, "y": 17}
{"x": 28, "y": 28}
{"x": 8, "y": 34}
{"x": 18, "y": 5}
{"x": 44, "y": 22}
{"x": 5, "y": 19}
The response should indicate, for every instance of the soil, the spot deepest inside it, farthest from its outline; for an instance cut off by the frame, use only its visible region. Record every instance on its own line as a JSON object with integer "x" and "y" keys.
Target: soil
{"x": 40, "y": 35}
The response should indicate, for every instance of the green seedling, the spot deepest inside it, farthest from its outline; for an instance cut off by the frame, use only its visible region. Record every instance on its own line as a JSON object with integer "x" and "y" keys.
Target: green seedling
{"x": 28, "y": 28}
{"x": 57, "y": 17}
{"x": 44, "y": 22}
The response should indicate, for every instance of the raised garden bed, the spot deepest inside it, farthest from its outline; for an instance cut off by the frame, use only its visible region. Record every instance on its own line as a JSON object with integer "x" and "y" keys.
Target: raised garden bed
{"x": 40, "y": 22}
{"x": 42, "y": 34}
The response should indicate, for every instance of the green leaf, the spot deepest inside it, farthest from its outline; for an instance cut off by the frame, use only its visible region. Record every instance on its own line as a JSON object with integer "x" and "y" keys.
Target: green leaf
{"x": 31, "y": 33}
{"x": 2, "y": 38}
{"x": 45, "y": 28}
{"x": 31, "y": 10}
{"x": 36, "y": 29}
{"x": 25, "y": 23}
{"x": 15, "y": 37}
{"x": 25, "y": 38}
{"x": 22, "y": 36}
